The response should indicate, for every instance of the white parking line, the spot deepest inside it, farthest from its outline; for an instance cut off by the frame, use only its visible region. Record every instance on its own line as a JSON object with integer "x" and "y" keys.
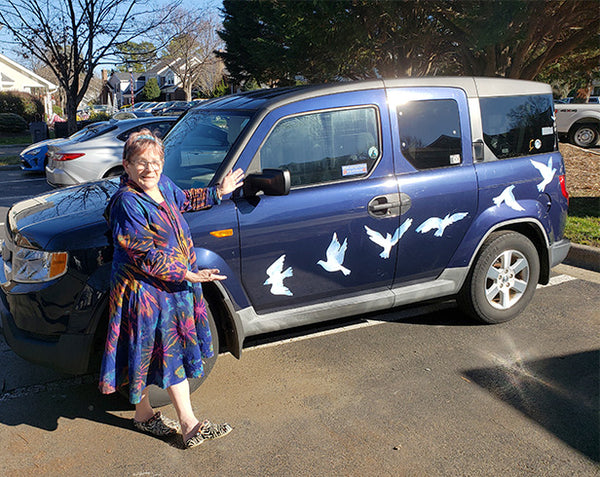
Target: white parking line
{"x": 557, "y": 280}
{"x": 39, "y": 179}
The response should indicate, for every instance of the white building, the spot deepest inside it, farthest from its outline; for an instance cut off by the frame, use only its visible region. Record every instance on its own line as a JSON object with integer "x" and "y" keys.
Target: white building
{"x": 14, "y": 77}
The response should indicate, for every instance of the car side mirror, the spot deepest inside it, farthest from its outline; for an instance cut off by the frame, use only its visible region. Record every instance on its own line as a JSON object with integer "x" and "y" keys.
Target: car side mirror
{"x": 270, "y": 181}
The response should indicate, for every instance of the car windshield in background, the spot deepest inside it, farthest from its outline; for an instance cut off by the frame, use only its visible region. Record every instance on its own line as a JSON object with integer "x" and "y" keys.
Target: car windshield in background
{"x": 196, "y": 146}
{"x": 93, "y": 130}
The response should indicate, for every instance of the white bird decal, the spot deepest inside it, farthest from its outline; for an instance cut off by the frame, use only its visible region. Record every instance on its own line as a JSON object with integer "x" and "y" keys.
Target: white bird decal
{"x": 547, "y": 172}
{"x": 335, "y": 256}
{"x": 508, "y": 198}
{"x": 440, "y": 224}
{"x": 388, "y": 241}
{"x": 277, "y": 275}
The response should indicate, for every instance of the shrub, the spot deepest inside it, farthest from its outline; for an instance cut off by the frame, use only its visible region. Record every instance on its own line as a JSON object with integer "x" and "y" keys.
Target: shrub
{"x": 99, "y": 116}
{"x": 23, "y": 104}
{"x": 10, "y": 122}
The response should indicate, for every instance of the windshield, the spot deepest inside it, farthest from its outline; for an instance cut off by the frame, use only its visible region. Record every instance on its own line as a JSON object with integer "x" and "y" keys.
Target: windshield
{"x": 92, "y": 130}
{"x": 196, "y": 146}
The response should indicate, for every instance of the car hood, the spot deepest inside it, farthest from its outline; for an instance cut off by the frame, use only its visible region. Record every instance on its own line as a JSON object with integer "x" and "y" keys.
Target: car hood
{"x": 66, "y": 219}
{"x": 46, "y": 142}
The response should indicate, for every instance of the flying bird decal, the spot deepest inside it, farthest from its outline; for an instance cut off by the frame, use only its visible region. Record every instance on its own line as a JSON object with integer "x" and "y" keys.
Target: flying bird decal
{"x": 335, "y": 256}
{"x": 277, "y": 275}
{"x": 440, "y": 224}
{"x": 547, "y": 172}
{"x": 508, "y": 198}
{"x": 388, "y": 241}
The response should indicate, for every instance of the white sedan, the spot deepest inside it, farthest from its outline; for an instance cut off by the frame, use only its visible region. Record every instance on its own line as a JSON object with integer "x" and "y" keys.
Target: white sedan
{"x": 99, "y": 155}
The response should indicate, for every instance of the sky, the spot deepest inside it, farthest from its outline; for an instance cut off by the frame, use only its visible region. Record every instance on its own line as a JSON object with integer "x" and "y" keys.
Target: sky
{"x": 8, "y": 50}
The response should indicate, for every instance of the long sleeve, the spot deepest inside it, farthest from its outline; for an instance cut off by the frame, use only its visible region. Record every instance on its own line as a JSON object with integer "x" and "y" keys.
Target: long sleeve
{"x": 132, "y": 233}
{"x": 198, "y": 199}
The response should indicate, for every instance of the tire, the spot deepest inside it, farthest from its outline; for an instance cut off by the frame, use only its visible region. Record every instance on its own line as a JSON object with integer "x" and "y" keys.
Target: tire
{"x": 115, "y": 171}
{"x": 584, "y": 135}
{"x": 160, "y": 397}
{"x": 503, "y": 278}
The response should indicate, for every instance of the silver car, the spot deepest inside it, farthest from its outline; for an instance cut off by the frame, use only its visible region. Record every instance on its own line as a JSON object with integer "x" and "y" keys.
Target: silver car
{"x": 99, "y": 155}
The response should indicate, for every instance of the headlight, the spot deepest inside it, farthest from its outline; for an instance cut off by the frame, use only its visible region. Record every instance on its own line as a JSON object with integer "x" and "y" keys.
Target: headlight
{"x": 35, "y": 151}
{"x": 37, "y": 266}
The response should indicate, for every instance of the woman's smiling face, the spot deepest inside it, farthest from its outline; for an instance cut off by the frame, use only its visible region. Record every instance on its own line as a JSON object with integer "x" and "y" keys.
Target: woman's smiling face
{"x": 145, "y": 169}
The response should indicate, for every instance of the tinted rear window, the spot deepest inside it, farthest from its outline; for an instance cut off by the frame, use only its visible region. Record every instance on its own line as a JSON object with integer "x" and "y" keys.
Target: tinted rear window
{"x": 516, "y": 126}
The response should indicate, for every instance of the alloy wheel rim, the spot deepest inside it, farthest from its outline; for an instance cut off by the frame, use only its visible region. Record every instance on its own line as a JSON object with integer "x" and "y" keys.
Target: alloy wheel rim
{"x": 507, "y": 279}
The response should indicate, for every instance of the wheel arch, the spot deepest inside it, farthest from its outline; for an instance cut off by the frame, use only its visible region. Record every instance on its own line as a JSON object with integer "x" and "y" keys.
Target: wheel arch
{"x": 531, "y": 229}
{"x": 229, "y": 326}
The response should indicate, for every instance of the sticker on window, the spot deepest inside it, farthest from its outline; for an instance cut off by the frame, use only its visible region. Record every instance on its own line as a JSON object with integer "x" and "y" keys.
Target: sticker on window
{"x": 454, "y": 158}
{"x": 354, "y": 169}
{"x": 373, "y": 152}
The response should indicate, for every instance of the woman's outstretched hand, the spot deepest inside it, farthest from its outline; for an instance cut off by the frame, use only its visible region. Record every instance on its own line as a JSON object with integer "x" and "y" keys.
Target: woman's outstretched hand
{"x": 205, "y": 275}
{"x": 231, "y": 182}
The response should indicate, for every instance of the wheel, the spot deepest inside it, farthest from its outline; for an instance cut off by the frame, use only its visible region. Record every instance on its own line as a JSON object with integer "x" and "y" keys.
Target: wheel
{"x": 502, "y": 280}
{"x": 115, "y": 171}
{"x": 160, "y": 397}
{"x": 584, "y": 135}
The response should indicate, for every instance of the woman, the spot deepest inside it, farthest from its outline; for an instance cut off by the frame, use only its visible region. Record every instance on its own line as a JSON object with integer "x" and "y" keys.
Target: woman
{"x": 158, "y": 330}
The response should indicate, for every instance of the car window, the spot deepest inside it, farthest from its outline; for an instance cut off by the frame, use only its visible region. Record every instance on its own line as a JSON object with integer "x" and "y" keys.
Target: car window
{"x": 430, "y": 134}
{"x": 197, "y": 145}
{"x": 324, "y": 146}
{"x": 93, "y": 130}
{"x": 158, "y": 128}
{"x": 516, "y": 126}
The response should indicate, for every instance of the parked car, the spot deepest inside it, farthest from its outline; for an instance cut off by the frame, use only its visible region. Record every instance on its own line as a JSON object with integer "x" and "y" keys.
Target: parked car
{"x": 159, "y": 109}
{"x": 132, "y": 114}
{"x": 33, "y": 158}
{"x": 88, "y": 159}
{"x": 358, "y": 197}
{"x": 578, "y": 124}
{"x": 178, "y": 108}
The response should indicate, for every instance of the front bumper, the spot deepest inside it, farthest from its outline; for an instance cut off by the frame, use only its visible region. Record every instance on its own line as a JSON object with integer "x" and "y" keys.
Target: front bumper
{"x": 70, "y": 353}
{"x": 558, "y": 251}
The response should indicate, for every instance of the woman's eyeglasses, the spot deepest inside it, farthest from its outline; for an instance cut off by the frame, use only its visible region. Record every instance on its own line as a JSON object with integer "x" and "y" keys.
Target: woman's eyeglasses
{"x": 154, "y": 165}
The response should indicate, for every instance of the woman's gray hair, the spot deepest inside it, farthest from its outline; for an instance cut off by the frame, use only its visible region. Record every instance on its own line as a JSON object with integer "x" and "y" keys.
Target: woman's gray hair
{"x": 140, "y": 141}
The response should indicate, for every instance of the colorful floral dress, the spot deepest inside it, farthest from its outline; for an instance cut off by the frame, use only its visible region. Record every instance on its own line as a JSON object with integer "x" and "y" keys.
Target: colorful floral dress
{"x": 158, "y": 329}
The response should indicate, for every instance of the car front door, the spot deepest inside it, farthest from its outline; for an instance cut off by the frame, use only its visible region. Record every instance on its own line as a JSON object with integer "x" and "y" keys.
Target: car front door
{"x": 331, "y": 237}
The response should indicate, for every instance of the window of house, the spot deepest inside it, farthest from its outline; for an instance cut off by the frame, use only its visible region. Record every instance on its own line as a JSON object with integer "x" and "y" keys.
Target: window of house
{"x": 518, "y": 125}
{"x": 430, "y": 134}
{"x": 324, "y": 146}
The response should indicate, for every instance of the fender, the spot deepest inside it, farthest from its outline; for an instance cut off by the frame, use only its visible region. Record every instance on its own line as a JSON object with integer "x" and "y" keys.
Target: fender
{"x": 226, "y": 298}
{"x": 490, "y": 221}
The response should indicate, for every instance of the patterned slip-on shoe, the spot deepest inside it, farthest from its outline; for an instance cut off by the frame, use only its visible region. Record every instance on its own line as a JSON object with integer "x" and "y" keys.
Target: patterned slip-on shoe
{"x": 194, "y": 441}
{"x": 208, "y": 430}
{"x": 158, "y": 425}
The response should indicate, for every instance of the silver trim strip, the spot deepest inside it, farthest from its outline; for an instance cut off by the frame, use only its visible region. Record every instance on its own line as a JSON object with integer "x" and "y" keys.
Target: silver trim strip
{"x": 447, "y": 284}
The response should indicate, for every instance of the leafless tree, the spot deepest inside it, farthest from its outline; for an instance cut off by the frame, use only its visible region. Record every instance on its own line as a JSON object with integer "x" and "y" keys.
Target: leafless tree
{"x": 74, "y": 37}
{"x": 191, "y": 52}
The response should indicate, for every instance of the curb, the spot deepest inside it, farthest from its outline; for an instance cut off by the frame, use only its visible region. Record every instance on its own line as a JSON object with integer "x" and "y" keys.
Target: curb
{"x": 584, "y": 256}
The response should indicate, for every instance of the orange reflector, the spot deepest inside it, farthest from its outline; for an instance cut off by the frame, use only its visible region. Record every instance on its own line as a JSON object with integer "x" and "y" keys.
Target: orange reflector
{"x": 222, "y": 233}
{"x": 58, "y": 264}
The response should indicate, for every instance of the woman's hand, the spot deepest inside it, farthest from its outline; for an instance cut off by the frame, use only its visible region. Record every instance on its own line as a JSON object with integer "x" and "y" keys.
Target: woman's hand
{"x": 205, "y": 275}
{"x": 230, "y": 182}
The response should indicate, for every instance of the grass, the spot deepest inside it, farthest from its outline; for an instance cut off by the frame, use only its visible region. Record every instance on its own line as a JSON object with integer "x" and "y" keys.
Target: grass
{"x": 583, "y": 222}
{"x": 10, "y": 160}
{"x": 15, "y": 139}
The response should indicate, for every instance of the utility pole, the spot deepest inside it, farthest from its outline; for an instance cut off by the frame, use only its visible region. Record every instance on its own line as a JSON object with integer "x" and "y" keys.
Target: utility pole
{"x": 131, "y": 86}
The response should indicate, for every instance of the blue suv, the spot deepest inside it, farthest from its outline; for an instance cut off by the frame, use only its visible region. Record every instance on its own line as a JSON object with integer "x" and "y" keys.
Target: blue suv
{"x": 358, "y": 197}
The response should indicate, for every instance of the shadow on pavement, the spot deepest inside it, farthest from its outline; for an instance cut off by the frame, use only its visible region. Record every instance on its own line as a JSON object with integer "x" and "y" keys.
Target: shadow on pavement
{"x": 560, "y": 394}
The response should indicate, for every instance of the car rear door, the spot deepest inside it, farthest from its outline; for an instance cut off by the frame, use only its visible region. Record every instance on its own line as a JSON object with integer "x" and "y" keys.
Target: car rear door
{"x": 435, "y": 175}
{"x": 314, "y": 244}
